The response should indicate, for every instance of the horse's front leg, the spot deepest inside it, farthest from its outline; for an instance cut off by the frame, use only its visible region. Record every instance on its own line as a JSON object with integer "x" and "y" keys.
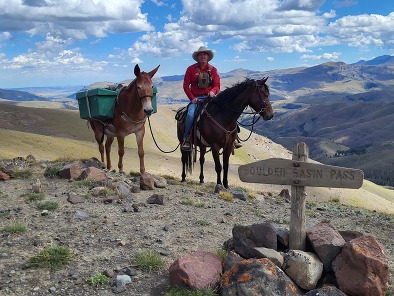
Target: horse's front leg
{"x": 184, "y": 165}
{"x": 226, "y": 162}
{"x": 203, "y": 150}
{"x": 108, "y": 144}
{"x": 139, "y": 135}
{"x": 218, "y": 166}
{"x": 120, "y": 152}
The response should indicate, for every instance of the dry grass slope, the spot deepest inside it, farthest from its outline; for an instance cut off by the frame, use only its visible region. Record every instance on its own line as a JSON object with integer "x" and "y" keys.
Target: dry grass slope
{"x": 51, "y": 134}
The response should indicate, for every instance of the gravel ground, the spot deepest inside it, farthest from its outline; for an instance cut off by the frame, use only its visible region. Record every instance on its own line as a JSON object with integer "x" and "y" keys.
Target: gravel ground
{"x": 113, "y": 233}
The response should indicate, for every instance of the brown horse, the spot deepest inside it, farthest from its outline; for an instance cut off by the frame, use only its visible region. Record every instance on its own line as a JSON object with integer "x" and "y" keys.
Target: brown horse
{"x": 132, "y": 106}
{"x": 216, "y": 126}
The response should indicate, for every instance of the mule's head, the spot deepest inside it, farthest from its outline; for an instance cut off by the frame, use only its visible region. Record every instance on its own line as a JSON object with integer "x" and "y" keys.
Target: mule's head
{"x": 260, "y": 101}
{"x": 144, "y": 86}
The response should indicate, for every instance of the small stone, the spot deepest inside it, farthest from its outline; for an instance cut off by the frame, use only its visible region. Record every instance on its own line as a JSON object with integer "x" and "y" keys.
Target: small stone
{"x": 45, "y": 213}
{"x": 52, "y": 290}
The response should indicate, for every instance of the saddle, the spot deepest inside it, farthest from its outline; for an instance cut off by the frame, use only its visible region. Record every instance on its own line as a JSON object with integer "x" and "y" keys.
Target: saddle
{"x": 180, "y": 114}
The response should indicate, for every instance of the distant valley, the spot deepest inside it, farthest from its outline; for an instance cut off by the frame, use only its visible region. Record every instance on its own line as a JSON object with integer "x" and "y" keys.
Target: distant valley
{"x": 344, "y": 112}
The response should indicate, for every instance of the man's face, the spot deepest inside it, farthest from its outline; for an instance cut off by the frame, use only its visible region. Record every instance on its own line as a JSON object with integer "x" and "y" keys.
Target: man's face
{"x": 202, "y": 57}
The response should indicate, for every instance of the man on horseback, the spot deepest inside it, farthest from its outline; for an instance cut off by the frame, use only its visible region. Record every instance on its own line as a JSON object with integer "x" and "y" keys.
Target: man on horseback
{"x": 201, "y": 81}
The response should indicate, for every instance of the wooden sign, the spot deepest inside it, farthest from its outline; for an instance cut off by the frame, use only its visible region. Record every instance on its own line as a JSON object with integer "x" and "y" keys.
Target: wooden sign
{"x": 299, "y": 173}
{"x": 289, "y": 172}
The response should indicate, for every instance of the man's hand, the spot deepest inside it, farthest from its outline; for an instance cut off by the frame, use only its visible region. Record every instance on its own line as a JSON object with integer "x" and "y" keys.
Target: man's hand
{"x": 194, "y": 101}
{"x": 211, "y": 94}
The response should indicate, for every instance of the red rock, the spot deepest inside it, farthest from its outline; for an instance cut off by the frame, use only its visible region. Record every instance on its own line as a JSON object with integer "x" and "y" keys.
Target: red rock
{"x": 199, "y": 270}
{"x": 362, "y": 267}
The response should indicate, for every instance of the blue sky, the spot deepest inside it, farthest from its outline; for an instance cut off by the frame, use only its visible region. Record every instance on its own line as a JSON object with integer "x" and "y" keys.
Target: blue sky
{"x": 79, "y": 42}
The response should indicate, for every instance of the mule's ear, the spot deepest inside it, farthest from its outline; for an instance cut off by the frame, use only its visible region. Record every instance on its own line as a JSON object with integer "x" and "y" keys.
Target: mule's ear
{"x": 137, "y": 70}
{"x": 265, "y": 79}
{"x": 153, "y": 72}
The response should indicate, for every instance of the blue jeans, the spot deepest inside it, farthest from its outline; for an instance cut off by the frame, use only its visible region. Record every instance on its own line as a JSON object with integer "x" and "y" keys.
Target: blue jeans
{"x": 191, "y": 110}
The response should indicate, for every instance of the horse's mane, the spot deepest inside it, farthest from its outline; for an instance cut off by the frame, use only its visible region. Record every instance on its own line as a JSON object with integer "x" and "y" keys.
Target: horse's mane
{"x": 231, "y": 92}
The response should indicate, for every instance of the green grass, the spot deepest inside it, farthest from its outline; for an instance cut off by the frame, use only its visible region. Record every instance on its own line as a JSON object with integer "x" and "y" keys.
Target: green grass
{"x": 187, "y": 202}
{"x": 149, "y": 260}
{"x": 107, "y": 192}
{"x": 98, "y": 279}
{"x": 21, "y": 173}
{"x": 222, "y": 253}
{"x": 53, "y": 171}
{"x": 48, "y": 205}
{"x": 203, "y": 222}
{"x": 34, "y": 196}
{"x": 52, "y": 257}
{"x": 181, "y": 291}
{"x": 3, "y": 195}
{"x": 15, "y": 228}
{"x": 84, "y": 183}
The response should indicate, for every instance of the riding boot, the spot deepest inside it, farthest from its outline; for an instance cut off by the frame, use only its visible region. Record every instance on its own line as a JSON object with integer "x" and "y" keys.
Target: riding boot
{"x": 187, "y": 145}
{"x": 237, "y": 144}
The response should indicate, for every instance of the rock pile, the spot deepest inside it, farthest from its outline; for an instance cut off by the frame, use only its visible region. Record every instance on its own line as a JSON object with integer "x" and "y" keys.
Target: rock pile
{"x": 335, "y": 263}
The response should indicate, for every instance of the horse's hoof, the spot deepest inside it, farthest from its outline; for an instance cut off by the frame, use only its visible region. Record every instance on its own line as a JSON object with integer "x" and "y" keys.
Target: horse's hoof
{"x": 183, "y": 180}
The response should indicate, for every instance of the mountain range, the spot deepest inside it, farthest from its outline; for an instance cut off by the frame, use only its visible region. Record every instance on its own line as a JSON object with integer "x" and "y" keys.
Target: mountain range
{"x": 344, "y": 112}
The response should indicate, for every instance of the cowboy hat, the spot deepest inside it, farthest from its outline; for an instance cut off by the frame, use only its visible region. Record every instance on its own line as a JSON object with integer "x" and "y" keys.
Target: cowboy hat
{"x": 203, "y": 49}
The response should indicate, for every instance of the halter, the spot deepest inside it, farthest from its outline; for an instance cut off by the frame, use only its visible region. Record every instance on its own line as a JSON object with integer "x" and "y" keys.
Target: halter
{"x": 123, "y": 115}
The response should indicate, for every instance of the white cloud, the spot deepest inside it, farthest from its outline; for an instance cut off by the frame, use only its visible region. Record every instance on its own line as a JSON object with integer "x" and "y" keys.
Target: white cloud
{"x": 325, "y": 56}
{"x": 364, "y": 30}
{"x": 73, "y": 18}
{"x": 270, "y": 59}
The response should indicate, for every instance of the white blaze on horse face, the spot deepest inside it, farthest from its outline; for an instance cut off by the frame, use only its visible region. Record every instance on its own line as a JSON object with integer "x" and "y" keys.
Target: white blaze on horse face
{"x": 147, "y": 104}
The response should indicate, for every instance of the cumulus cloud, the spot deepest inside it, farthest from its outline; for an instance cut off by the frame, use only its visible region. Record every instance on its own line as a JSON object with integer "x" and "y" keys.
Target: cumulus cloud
{"x": 275, "y": 26}
{"x": 73, "y": 18}
{"x": 325, "y": 56}
{"x": 364, "y": 30}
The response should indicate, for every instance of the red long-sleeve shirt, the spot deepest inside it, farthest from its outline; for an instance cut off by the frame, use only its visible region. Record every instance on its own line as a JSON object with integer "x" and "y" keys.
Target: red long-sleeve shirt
{"x": 191, "y": 78}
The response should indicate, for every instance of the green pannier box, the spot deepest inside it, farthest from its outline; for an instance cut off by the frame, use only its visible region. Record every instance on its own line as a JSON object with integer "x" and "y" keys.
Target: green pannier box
{"x": 96, "y": 103}
{"x": 154, "y": 100}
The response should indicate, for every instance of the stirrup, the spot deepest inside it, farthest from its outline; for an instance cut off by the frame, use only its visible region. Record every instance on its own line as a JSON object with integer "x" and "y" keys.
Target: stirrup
{"x": 237, "y": 144}
{"x": 186, "y": 145}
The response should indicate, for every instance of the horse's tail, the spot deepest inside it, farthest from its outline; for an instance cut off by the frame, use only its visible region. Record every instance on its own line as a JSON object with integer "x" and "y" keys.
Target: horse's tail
{"x": 189, "y": 162}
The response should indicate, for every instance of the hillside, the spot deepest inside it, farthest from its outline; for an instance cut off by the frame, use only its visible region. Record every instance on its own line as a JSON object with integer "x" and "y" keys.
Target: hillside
{"x": 51, "y": 134}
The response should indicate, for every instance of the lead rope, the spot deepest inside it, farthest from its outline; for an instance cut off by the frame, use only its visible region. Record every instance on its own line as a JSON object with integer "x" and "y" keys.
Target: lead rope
{"x": 154, "y": 140}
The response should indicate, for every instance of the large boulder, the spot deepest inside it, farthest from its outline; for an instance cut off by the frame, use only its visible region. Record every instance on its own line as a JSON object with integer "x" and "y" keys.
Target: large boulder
{"x": 256, "y": 277}
{"x": 200, "y": 270}
{"x": 326, "y": 241}
{"x": 361, "y": 269}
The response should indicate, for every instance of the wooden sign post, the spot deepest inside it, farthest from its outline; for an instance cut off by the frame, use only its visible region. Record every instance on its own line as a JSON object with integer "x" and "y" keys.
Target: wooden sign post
{"x": 299, "y": 173}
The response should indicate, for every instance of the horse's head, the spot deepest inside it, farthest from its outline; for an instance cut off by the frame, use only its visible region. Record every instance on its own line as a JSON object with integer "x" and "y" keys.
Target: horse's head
{"x": 260, "y": 101}
{"x": 144, "y": 87}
